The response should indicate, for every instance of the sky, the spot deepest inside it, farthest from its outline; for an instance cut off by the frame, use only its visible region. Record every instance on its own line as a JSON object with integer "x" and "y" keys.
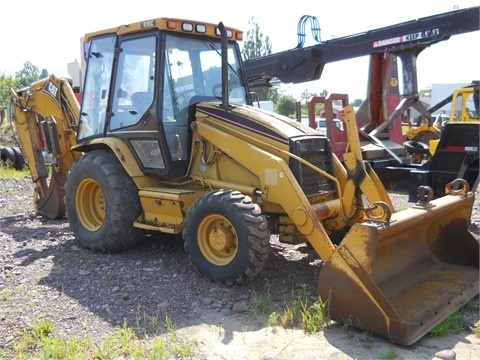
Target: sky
{"x": 49, "y": 36}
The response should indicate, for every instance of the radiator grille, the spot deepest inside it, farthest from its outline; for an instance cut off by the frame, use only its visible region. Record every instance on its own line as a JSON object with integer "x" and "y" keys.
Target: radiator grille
{"x": 317, "y": 151}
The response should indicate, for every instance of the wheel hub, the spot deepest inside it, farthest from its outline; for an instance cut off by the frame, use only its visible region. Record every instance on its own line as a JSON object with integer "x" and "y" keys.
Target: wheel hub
{"x": 220, "y": 239}
{"x": 217, "y": 239}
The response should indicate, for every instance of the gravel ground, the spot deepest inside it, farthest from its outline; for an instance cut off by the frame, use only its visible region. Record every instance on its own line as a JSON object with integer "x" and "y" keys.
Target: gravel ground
{"x": 46, "y": 274}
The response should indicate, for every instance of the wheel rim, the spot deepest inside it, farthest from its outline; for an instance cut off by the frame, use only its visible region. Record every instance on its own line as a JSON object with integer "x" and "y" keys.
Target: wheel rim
{"x": 90, "y": 205}
{"x": 217, "y": 240}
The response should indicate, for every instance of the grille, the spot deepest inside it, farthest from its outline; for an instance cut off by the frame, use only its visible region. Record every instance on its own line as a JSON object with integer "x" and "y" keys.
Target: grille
{"x": 317, "y": 151}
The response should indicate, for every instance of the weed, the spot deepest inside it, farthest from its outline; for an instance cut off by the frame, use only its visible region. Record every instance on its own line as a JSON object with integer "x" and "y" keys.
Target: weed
{"x": 273, "y": 320}
{"x": 244, "y": 332}
{"x": 260, "y": 303}
{"x": 476, "y": 330}
{"x": 150, "y": 324}
{"x": 220, "y": 330}
{"x": 391, "y": 355}
{"x": 366, "y": 339}
{"x": 316, "y": 316}
{"x": 169, "y": 324}
{"x": 5, "y": 295}
{"x": 303, "y": 291}
{"x": 347, "y": 324}
{"x": 287, "y": 318}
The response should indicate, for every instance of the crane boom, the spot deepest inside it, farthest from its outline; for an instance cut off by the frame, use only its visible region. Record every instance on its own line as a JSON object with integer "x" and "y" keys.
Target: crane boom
{"x": 303, "y": 64}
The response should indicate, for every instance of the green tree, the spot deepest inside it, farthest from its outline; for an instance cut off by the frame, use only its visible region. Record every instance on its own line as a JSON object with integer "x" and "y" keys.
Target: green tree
{"x": 30, "y": 73}
{"x": 5, "y": 83}
{"x": 257, "y": 45}
{"x": 305, "y": 97}
{"x": 357, "y": 102}
{"x": 324, "y": 92}
{"x": 286, "y": 106}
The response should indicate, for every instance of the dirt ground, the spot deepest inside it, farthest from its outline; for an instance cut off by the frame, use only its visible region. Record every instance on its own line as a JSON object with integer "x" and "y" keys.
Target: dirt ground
{"x": 48, "y": 275}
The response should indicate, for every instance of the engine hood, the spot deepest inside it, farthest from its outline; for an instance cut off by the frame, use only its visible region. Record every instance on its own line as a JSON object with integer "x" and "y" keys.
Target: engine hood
{"x": 250, "y": 118}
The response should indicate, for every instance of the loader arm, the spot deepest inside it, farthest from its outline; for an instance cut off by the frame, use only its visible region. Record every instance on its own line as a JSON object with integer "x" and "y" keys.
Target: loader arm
{"x": 45, "y": 118}
{"x": 279, "y": 185}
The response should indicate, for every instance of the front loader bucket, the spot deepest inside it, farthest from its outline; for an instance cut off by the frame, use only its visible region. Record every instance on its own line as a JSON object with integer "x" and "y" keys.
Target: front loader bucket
{"x": 399, "y": 280}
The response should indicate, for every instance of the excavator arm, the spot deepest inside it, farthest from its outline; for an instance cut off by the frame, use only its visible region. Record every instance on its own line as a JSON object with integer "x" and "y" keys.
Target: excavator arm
{"x": 45, "y": 117}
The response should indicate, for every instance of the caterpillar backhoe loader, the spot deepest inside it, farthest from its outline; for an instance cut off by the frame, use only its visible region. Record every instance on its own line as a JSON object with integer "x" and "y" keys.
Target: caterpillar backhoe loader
{"x": 166, "y": 139}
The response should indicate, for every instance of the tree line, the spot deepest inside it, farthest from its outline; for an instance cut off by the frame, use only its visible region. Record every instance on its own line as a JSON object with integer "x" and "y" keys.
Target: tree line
{"x": 23, "y": 78}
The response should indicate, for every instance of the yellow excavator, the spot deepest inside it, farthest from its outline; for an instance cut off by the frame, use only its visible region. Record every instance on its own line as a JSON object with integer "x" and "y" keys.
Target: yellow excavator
{"x": 166, "y": 139}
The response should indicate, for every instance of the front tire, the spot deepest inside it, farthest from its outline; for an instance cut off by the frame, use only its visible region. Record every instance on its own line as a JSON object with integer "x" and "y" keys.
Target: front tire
{"x": 102, "y": 203}
{"x": 226, "y": 237}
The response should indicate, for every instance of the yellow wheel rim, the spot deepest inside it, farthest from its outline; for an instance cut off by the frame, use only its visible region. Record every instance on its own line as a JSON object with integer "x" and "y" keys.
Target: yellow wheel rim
{"x": 90, "y": 205}
{"x": 217, "y": 240}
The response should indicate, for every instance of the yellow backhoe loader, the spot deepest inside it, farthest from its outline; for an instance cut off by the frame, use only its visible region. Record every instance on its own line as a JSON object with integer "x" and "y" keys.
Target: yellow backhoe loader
{"x": 421, "y": 139}
{"x": 166, "y": 139}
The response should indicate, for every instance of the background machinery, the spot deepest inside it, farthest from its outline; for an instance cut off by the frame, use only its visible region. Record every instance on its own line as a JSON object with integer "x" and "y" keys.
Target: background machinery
{"x": 166, "y": 139}
{"x": 379, "y": 118}
{"x": 463, "y": 103}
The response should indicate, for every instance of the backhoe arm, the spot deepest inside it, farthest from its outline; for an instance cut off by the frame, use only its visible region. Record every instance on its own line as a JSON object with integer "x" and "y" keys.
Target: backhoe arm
{"x": 45, "y": 117}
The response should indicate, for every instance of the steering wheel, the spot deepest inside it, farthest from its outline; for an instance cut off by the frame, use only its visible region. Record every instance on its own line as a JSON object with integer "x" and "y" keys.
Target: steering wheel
{"x": 217, "y": 90}
{"x": 182, "y": 96}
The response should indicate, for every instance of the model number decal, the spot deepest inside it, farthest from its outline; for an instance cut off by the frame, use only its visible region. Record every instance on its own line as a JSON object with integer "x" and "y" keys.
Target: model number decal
{"x": 407, "y": 38}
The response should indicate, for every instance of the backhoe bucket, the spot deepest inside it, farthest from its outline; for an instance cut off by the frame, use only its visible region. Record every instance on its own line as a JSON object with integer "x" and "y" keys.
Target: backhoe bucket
{"x": 399, "y": 280}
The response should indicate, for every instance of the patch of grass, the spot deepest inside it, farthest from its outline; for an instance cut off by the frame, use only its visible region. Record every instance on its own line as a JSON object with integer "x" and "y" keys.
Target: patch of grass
{"x": 38, "y": 341}
{"x": 452, "y": 324}
{"x": 7, "y": 171}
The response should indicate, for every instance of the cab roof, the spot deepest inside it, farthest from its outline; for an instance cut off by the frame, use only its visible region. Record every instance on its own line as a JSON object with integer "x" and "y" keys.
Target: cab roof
{"x": 170, "y": 24}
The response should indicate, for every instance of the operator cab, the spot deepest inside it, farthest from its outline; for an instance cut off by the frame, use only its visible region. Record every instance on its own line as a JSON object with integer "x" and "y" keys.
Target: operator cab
{"x": 140, "y": 87}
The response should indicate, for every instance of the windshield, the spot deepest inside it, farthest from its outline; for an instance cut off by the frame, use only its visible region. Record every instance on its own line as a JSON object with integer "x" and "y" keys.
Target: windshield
{"x": 193, "y": 68}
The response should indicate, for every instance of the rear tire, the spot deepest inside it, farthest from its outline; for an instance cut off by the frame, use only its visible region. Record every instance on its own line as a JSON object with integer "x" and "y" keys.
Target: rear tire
{"x": 102, "y": 203}
{"x": 226, "y": 237}
{"x": 19, "y": 159}
{"x": 12, "y": 156}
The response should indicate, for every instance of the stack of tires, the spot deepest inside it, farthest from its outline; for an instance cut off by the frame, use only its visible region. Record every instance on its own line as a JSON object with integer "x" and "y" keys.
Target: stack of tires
{"x": 12, "y": 156}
